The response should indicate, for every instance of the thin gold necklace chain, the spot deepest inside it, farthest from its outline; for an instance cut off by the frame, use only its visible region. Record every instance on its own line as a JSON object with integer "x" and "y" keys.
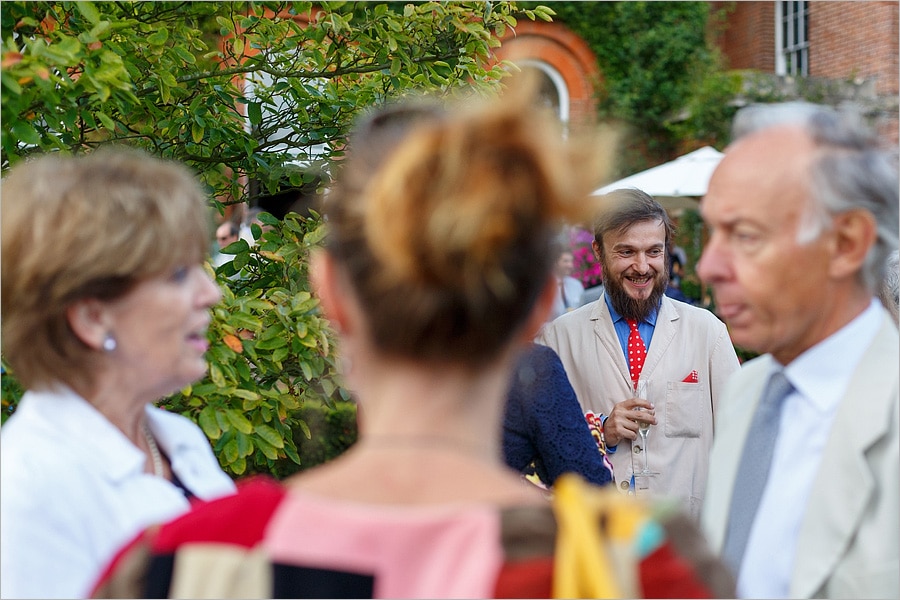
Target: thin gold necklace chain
{"x": 155, "y": 454}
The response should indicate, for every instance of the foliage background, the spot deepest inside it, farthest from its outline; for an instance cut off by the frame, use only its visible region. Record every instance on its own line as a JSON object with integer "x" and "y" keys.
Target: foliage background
{"x": 168, "y": 77}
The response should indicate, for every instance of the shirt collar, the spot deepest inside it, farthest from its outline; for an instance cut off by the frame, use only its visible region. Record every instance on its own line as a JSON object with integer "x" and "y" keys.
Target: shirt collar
{"x": 73, "y": 415}
{"x": 822, "y": 374}
{"x": 616, "y": 317}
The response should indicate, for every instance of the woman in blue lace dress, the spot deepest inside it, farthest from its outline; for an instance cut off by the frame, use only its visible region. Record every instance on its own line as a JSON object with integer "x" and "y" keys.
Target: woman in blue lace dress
{"x": 543, "y": 424}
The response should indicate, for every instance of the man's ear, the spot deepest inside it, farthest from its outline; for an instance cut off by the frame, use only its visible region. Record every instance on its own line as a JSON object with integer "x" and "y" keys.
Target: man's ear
{"x": 596, "y": 248}
{"x": 90, "y": 321}
{"x": 325, "y": 281}
{"x": 855, "y": 232}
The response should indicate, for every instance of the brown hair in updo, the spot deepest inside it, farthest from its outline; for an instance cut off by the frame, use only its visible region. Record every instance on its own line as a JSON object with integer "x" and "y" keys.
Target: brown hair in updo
{"x": 444, "y": 220}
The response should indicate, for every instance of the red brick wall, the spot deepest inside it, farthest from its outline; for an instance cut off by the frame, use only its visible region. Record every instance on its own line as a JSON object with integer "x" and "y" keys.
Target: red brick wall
{"x": 848, "y": 41}
{"x": 855, "y": 40}
{"x": 748, "y": 36}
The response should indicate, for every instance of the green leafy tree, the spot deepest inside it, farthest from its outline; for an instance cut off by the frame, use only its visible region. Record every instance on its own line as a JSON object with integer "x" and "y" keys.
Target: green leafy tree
{"x": 172, "y": 76}
{"x": 253, "y": 96}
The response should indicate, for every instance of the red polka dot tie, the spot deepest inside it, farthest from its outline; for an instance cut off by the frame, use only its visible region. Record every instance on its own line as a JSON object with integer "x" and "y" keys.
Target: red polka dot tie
{"x": 637, "y": 351}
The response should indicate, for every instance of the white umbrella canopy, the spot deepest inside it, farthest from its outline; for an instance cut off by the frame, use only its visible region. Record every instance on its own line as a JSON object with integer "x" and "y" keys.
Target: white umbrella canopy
{"x": 686, "y": 176}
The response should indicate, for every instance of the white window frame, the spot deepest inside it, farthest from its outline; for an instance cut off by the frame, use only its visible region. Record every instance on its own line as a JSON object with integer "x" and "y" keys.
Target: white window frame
{"x": 797, "y": 20}
{"x": 562, "y": 91}
{"x": 314, "y": 152}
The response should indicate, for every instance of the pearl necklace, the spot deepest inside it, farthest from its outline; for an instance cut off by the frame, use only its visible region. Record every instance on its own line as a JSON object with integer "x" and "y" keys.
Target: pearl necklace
{"x": 155, "y": 455}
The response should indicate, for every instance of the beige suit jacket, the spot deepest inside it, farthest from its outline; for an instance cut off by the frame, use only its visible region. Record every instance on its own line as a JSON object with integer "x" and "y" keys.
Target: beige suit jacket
{"x": 686, "y": 338}
{"x": 849, "y": 539}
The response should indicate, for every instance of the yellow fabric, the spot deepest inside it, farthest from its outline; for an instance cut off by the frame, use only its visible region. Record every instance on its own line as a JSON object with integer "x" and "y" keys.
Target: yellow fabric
{"x": 595, "y": 555}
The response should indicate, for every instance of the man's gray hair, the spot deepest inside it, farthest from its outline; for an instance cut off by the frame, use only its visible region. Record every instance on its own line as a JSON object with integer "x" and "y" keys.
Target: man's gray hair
{"x": 890, "y": 289}
{"x": 853, "y": 171}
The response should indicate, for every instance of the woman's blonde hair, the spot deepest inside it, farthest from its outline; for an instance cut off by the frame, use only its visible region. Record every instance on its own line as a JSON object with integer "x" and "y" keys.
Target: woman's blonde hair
{"x": 444, "y": 220}
{"x": 87, "y": 227}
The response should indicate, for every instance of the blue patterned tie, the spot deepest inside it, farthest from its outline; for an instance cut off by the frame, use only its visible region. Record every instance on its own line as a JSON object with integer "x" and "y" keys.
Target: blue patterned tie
{"x": 753, "y": 470}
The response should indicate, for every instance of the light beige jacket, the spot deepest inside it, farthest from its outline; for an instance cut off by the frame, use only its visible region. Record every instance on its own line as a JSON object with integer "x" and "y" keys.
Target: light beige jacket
{"x": 686, "y": 338}
{"x": 849, "y": 540}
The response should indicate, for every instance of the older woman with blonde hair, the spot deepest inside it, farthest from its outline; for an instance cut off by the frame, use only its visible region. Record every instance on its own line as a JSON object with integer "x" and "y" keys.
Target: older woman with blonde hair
{"x": 105, "y": 304}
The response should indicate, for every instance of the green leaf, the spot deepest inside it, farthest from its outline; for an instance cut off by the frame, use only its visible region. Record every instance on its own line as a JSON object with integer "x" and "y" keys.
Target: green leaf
{"x": 158, "y": 37}
{"x": 305, "y": 428}
{"x": 270, "y": 435}
{"x": 184, "y": 55}
{"x": 239, "y": 421}
{"x": 215, "y": 373}
{"x": 280, "y": 354}
{"x": 254, "y": 112}
{"x": 245, "y": 394}
{"x": 107, "y": 122}
{"x": 272, "y": 344}
{"x": 25, "y": 133}
{"x": 239, "y": 466}
{"x": 244, "y": 445}
{"x": 231, "y": 451}
{"x": 88, "y": 11}
{"x": 207, "y": 421}
{"x": 266, "y": 448}
{"x": 226, "y": 25}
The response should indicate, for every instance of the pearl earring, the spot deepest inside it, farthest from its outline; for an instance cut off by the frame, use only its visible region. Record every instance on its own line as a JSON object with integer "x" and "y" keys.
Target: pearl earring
{"x": 109, "y": 343}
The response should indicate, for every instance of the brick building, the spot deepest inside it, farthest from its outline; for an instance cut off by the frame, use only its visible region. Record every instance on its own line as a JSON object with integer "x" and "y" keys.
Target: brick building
{"x": 830, "y": 52}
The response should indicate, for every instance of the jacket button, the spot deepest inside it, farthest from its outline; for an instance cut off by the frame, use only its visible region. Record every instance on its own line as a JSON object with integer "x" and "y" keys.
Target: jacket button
{"x": 636, "y": 449}
{"x": 624, "y": 485}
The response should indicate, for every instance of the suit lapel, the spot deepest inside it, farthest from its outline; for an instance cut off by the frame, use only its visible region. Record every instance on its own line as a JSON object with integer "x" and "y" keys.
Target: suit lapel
{"x": 606, "y": 333}
{"x": 844, "y": 483}
{"x": 663, "y": 334}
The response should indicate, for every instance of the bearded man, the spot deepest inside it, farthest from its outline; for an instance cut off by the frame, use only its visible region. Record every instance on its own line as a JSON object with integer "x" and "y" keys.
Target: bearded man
{"x": 635, "y": 332}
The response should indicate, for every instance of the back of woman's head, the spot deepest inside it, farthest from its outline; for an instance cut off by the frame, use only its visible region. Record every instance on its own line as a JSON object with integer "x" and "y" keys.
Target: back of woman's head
{"x": 443, "y": 220}
{"x": 87, "y": 227}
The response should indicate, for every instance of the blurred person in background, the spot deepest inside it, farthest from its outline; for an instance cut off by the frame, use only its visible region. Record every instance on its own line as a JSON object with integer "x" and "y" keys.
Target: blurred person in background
{"x": 226, "y": 233}
{"x": 568, "y": 289}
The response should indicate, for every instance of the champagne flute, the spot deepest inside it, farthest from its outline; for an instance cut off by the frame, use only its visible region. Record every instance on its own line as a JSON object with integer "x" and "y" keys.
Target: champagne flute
{"x": 640, "y": 391}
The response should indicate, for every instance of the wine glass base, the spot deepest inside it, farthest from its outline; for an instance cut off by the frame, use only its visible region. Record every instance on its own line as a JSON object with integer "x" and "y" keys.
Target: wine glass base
{"x": 642, "y": 482}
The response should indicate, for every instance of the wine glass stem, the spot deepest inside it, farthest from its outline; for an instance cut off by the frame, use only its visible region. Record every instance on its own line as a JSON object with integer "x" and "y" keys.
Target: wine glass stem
{"x": 643, "y": 433}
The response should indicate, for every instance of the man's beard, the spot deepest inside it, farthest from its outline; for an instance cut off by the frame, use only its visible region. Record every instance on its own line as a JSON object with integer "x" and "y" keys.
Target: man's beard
{"x": 627, "y": 306}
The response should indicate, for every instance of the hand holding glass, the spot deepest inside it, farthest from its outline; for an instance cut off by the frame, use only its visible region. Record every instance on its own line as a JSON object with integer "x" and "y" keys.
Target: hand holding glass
{"x": 640, "y": 391}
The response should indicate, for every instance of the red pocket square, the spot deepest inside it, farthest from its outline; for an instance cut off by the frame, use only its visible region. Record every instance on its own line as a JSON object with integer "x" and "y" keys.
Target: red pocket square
{"x": 691, "y": 378}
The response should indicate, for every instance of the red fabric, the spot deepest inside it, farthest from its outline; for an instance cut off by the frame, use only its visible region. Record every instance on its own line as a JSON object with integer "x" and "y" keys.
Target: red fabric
{"x": 637, "y": 351}
{"x": 526, "y": 579}
{"x": 692, "y": 377}
{"x": 664, "y": 574}
{"x": 254, "y": 503}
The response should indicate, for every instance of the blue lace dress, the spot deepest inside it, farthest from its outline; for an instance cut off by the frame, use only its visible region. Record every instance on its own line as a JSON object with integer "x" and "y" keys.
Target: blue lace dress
{"x": 544, "y": 425}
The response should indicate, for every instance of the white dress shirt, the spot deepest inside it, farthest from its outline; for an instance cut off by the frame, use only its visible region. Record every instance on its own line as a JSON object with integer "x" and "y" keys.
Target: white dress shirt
{"x": 820, "y": 377}
{"x": 73, "y": 490}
